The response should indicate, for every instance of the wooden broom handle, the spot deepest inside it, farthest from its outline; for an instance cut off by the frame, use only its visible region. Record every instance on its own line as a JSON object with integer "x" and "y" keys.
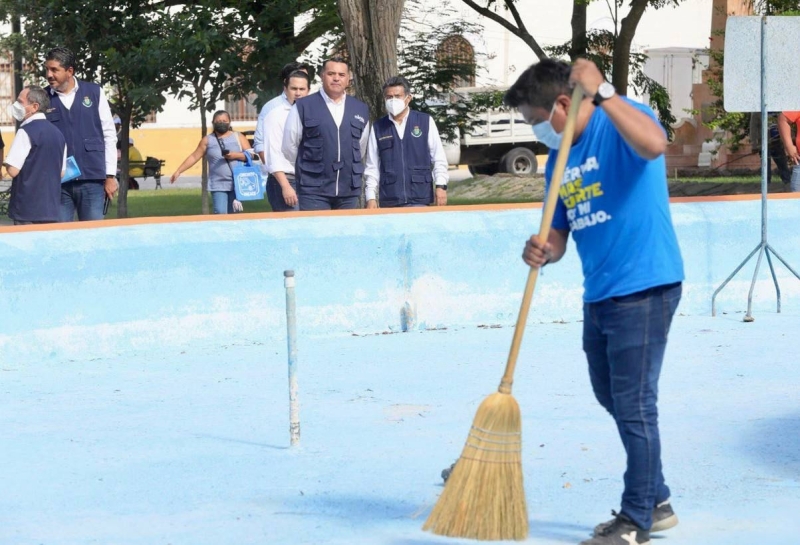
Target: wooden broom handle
{"x": 544, "y": 233}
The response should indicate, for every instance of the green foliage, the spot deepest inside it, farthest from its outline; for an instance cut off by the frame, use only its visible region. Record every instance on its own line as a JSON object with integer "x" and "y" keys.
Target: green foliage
{"x": 600, "y": 50}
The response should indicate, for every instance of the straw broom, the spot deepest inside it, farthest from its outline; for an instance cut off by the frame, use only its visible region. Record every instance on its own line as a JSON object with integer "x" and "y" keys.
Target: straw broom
{"x": 484, "y": 497}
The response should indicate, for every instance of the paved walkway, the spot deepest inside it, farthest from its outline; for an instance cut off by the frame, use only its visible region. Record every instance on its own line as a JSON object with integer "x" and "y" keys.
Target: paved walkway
{"x": 192, "y": 448}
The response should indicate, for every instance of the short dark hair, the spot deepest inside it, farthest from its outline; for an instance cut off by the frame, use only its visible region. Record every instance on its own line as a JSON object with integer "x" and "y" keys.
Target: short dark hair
{"x": 37, "y": 95}
{"x": 297, "y": 74}
{"x": 398, "y": 81}
{"x": 540, "y": 85}
{"x": 335, "y": 59}
{"x": 293, "y": 67}
{"x": 63, "y": 56}
{"x": 219, "y": 113}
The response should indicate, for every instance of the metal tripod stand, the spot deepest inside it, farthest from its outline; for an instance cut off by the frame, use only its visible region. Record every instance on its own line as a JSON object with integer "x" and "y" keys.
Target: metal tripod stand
{"x": 763, "y": 248}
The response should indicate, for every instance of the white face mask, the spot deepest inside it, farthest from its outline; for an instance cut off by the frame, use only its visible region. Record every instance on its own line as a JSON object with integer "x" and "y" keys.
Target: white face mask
{"x": 17, "y": 111}
{"x": 545, "y": 132}
{"x": 395, "y": 106}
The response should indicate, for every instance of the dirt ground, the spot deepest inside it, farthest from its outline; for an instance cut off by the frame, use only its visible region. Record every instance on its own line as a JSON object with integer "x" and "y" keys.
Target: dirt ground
{"x": 516, "y": 188}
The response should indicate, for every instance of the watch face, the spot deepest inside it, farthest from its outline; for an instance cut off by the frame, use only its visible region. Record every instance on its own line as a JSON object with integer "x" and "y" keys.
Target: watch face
{"x": 606, "y": 90}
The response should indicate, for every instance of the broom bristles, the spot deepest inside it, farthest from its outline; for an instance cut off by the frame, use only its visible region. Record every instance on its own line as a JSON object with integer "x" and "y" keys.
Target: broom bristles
{"x": 484, "y": 497}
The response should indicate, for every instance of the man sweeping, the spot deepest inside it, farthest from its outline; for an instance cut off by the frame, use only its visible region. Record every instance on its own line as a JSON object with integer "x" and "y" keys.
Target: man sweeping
{"x": 614, "y": 201}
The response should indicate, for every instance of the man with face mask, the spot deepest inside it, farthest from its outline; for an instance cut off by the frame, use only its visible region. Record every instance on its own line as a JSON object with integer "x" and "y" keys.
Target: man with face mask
{"x": 403, "y": 146}
{"x": 614, "y": 200}
{"x": 36, "y": 161}
{"x": 281, "y": 186}
{"x": 326, "y": 138}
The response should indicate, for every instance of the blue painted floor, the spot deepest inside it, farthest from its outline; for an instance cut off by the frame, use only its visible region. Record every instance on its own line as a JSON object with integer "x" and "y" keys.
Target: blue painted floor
{"x": 192, "y": 448}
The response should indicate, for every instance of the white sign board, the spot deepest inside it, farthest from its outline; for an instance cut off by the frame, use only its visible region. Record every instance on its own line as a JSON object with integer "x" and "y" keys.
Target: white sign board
{"x": 742, "y": 82}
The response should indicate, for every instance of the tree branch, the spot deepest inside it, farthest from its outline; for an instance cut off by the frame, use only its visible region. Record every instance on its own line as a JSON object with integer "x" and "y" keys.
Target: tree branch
{"x": 520, "y": 31}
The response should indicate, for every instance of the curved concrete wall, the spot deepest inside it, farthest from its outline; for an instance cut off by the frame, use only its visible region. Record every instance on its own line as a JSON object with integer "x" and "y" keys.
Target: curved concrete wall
{"x": 84, "y": 293}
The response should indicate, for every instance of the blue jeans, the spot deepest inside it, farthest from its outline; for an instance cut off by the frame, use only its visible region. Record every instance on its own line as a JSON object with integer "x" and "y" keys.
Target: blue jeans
{"x": 85, "y": 197}
{"x": 275, "y": 194}
{"x": 624, "y": 339}
{"x": 222, "y": 201}
{"x": 320, "y": 202}
{"x": 794, "y": 185}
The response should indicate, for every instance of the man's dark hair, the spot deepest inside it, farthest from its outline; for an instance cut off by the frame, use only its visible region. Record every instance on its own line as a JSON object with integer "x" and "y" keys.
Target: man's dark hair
{"x": 62, "y": 56}
{"x": 293, "y": 67}
{"x": 540, "y": 85}
{"x": 335, "y": 59}
{"x": 398, "y": 81}
{"x": 37, "y": 95}
{"x": 297, "y": 74}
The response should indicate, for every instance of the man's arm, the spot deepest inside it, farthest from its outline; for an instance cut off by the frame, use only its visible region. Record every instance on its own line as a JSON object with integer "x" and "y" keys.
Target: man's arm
{"x": 439, "y": 162}
{"x": 785, "y": 132}
{"x": 372, "y": 170}
{"x": 278, "y": 166}
{"x": 110, "y": 140}
{"x": 20, "y": 148}
{"x": 639, "y": 130}
{"x": 258, "y": 136}
{"x": 292, "y": 133}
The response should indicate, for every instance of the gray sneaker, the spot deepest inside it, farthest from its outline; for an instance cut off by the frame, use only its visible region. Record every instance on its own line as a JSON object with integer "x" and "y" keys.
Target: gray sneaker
{"x": 664, "y": 518}
{"x": 620, "y": 531}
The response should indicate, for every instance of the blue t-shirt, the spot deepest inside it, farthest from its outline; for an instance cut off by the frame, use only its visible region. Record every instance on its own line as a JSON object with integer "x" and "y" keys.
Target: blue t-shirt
{"x": 616, "y": 204}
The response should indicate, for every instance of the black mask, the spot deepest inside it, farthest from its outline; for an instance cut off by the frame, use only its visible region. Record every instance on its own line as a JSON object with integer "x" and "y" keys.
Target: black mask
{"x": 221, "y": 127}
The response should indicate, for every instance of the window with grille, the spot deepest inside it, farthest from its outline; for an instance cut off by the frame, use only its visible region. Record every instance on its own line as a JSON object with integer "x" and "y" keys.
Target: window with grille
{"x": 6, "y": 91}
{"x": 457, "y": 50}
{"x": 242, "y": 109}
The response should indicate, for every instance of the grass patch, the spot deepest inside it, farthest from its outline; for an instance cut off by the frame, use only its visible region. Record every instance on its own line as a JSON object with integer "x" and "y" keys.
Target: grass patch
{"x": 173, "y": 202}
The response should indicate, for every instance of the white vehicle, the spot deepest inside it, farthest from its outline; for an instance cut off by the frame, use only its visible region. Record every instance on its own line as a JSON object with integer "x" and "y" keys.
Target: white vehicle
{"x": 501, "y": 142}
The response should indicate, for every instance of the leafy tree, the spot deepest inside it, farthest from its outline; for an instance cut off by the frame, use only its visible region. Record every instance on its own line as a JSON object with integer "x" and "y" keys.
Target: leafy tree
{"x": 110, "y": 42}
{"x": 599, "y": 48}
{"x": 371, "y": 30}
{"x": 619, "y": 49}
{"x": 735, "y": 126}
{"x": 210, "y": 55}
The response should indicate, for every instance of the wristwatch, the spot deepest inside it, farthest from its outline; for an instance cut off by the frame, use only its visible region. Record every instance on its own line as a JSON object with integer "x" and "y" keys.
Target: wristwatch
{"x": 442, "y": 187}
{"x": 604, "y": 92}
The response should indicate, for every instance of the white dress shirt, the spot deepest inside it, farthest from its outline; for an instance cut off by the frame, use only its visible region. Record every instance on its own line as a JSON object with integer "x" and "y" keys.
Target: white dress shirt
{"x": 259, "y": 138}
{"x": 372, "y": 169}
{"x": 293, "y": 131}
{"x": 106, "y": 122}
{"x": 21, "y": 146}
{"x": 274, "y": 123}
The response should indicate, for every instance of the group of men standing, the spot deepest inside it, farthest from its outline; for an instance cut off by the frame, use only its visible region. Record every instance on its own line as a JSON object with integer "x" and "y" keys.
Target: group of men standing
{"x": 319, "y": 148}
{"x": 69, "y": 120}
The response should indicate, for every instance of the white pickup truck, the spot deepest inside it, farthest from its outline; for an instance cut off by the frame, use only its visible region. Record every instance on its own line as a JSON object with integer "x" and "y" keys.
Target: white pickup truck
{"x": 500, "y": 142}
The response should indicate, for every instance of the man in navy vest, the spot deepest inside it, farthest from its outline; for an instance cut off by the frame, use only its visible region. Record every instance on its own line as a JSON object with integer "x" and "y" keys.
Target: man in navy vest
{"x": 80, "y": 110}
{"x": 402, "y": 147}
{"x": 36, "y": 161}
{"x": 326, "y": 138}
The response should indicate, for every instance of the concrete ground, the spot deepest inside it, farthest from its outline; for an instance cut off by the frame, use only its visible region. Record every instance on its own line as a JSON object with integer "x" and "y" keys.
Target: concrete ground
{"x": 192, "y": 447}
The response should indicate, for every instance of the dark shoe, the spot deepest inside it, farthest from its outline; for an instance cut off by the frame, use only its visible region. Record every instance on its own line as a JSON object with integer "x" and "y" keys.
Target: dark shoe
{"x": 664, "y": 518}
{"x": 620, "y": 531}
{"x": 447, "y": 471}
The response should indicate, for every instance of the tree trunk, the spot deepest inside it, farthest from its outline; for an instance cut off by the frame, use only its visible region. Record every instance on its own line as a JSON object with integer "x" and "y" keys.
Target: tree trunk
{"x": 372, "y": 28}
{"x": 622, "y": 46}
{"x": 579, "y": 43}
{"x": 203, "y": 131}
{"x": 123, "y": 166}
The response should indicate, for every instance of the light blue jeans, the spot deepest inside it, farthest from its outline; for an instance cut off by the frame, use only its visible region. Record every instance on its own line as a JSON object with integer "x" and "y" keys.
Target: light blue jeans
{"x": 794, "y": 185}
{"x": 222, "y": 201}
